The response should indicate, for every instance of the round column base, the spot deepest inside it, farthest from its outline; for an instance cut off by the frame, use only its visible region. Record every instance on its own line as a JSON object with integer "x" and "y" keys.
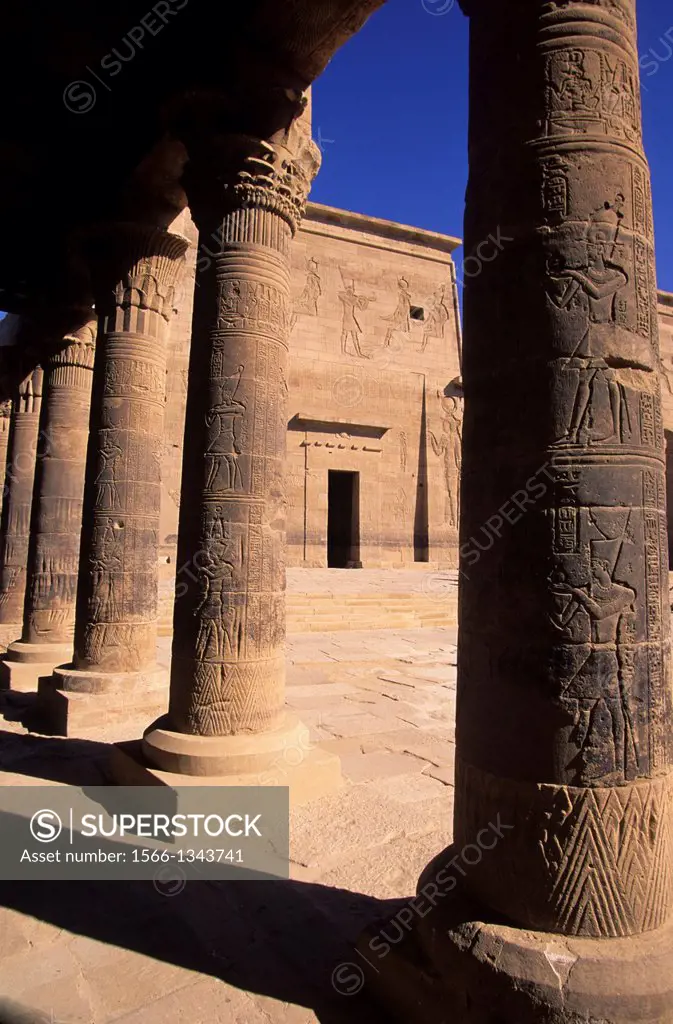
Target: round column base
{"x": 278, "y": 757}
{"x": 25, "y": 663}
{"x": 452, "y": 962}
{"x": 10, "y": 632}
{"x": 91, "y": 681}
{"x": 204, "y": 756}
{"x": 104, "y": 705}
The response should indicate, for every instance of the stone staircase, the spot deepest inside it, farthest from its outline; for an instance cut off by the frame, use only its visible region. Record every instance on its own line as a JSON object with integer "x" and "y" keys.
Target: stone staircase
{"x": 320, "y": 601}
{"x": 318, "y": 613}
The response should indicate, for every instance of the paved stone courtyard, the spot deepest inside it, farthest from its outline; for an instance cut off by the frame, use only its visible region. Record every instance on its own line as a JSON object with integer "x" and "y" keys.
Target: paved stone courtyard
{"x": 254, "y": 952}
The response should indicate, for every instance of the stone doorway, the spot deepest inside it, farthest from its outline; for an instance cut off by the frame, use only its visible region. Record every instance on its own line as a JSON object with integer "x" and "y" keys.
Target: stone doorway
{"x": 343, "y": 520}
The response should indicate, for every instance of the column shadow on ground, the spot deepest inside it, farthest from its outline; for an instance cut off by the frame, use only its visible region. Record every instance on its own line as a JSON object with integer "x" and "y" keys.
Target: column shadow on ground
{"x": 282, "y": 939}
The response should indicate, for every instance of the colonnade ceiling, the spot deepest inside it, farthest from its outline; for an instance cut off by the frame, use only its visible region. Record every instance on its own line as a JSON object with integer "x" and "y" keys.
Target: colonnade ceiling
{"x": 88, "y": 90}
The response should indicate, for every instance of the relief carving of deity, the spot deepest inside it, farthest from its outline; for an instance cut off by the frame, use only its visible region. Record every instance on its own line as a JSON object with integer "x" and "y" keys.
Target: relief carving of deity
{"x": 224, "y": 421}
{"x": 448, "y": 448}
{"x": 400, "y": 319}
{"x": 351, "y": 329}
{"x": 308, "y": 300}
{"x": 596, "y": 618}
{"x": 596, "y": 410}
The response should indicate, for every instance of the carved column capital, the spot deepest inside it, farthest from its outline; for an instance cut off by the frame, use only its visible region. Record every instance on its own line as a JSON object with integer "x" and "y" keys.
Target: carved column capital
{"x": 30, "y": 392}
{"x": 135, "y": 269}
{"x": 229, "y": 171}
{"x": 78, "y": 349}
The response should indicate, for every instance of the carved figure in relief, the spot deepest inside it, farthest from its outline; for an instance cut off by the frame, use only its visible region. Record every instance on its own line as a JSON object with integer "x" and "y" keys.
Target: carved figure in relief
{"x": 586, "y": 93}
{"x": 596, "y": 621}
{"x": 104, "y": 606}
{"x": 438, "y": 318}
{"x": 573, "y": 89}
{"x": 107, "y": 495}
{"x": 108, "y": 559}
{"x": 213, "y": 576}
{"x": 401, "y": 506}
{"x": 593, "y": 289}
{"x": 448, "y": 447}
{"x": 223, "y": 450}
{"x": 308, "y": 300}
{"x": 404, "y": 450}
{"x": 350, "y": 327}
{"x": 108, "y": 543}
{"x": 400, "y": 319}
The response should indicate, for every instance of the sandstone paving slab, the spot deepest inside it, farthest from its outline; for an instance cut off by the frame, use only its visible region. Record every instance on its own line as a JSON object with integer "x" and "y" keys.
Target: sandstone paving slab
{"x": 322, "y": 690}
{"x": 26, "y": 971}
{"x": 409, "y": 789}
{"x": 381, "y": 830}
{"x": 367, "y": 767}
{"x": 341, "y": 726}
{"x": 359, "y": 818}
{"x": 445, "y": 775}
{"x": 437, "y": 749}
{"x": 390, "y": 871}
{"x": 206, "y": 1002}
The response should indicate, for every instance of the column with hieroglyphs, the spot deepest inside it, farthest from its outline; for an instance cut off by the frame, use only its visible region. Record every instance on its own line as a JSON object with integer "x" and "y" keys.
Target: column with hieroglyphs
{"x": 134, "y": 272}
{"x": 5, "y": 420}
{"x": 563, "y": 837}
{"x": 18, "y": 495}
{"x": 56, "y": 522}
{"x": 226, "y": 718}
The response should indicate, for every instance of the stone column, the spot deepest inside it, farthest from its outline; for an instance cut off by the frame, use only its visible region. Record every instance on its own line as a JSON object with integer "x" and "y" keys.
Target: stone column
{"x": 563, "y": 812}
{"x": 19, "y": 478}
{"x": 134, "y": 271}
{"x": 5, "y": 420}
{"x": 226, "y": 716}
{"x": 56, "y": 524}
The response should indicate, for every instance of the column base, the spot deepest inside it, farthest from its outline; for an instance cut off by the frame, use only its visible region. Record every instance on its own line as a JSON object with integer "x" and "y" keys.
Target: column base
{"x": 9, "y": 633}
{"x": 26, "y": 663}
{"x": 101, "y": 705}
{"x": 457, "y": 965}
{"x": 279, "y": 757}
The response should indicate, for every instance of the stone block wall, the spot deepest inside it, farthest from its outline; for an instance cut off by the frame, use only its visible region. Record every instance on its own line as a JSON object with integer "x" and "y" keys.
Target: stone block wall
{"x": 373, "y": 353}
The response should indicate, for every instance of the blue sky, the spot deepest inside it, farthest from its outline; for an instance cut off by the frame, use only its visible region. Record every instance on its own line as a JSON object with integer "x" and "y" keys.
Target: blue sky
{"x": 393, "y": 102}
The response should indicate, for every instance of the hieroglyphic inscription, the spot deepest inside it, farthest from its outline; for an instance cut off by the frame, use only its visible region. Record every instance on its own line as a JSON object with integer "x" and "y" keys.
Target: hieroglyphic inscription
{"x": 135, "y": 273}
{"x": 20, "y": 476}
{"x": 589, "y": 92}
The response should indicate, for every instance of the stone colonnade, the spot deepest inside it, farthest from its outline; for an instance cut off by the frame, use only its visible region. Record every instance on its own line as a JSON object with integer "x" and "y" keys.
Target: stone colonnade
{"x": 564, "y": 712}
{"x": 56, "y": 520}
{"x": 20, "y": 465}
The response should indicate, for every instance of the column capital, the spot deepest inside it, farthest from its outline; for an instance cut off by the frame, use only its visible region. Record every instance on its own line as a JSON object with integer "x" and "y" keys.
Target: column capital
{"x": 30, "y": 391}
{"x": 231, "y": 170}
{"x": 78, "y": 348}
{"x": 135, "y": 266}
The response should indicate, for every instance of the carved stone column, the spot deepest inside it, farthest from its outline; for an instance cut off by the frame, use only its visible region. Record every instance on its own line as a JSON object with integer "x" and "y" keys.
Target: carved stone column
{"x": 564, "y": 727}
{"x": 19, "y": 478}
{"x": 5, "y": 419}
{"x": 56, "y": 524}
{"x": 226, "y": 715}
{"x": 134, "y": 271}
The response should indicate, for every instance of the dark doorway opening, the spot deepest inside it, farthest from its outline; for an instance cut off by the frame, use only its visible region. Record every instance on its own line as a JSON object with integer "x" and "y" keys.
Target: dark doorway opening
{"x": 343, "y": 520}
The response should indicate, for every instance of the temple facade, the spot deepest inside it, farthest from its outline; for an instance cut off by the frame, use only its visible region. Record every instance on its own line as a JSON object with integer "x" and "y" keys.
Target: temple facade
{"x": 374, "y": 395}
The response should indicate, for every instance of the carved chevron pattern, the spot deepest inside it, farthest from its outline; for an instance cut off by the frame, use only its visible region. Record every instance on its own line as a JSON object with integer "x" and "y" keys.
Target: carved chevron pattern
{"x": 609, "y": 855}
{"x": 593, "y": 862}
